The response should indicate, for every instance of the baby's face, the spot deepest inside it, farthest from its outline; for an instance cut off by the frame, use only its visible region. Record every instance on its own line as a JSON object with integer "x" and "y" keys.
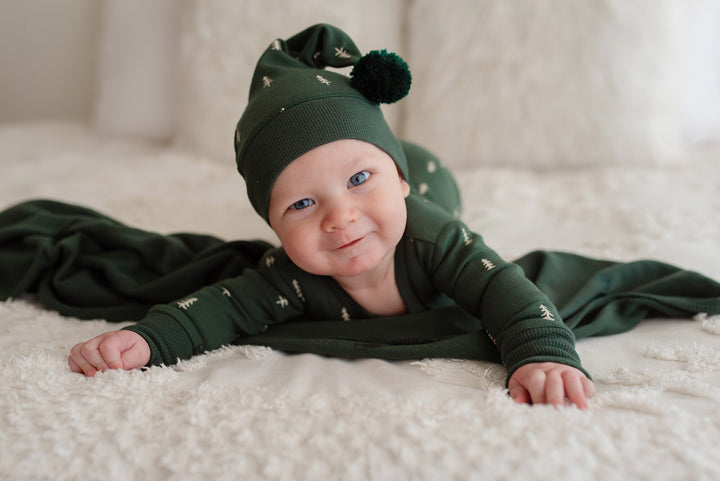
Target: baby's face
{"x": 339, "y": 209}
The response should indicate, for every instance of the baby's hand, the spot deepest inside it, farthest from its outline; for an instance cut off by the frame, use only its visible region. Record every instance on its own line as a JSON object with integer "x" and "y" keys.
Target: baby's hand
{"x": 112, "y": 350}
{"x": 550, "y": 383}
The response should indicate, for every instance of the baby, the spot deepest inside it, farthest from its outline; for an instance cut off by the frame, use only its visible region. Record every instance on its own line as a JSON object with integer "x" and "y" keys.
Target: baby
{"x": 357, "y": 241}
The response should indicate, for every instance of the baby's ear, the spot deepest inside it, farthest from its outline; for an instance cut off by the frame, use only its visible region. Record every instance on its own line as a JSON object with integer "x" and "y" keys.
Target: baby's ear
{"x": 405, "y": 187}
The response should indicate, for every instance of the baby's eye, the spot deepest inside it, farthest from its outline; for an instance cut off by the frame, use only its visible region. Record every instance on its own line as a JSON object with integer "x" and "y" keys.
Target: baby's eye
{"x": 359, "y": 178}
{"x": 301, "y": 204}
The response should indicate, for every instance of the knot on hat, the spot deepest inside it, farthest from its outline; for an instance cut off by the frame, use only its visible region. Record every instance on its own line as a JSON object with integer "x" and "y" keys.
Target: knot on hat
{"x": 382, "y": 77}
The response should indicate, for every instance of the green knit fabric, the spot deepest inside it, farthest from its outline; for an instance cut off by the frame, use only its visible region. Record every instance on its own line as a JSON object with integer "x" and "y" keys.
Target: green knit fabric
{"x": 83, "y": 264}
{"x": 86, "y": 265}
{"x": 436, "y": 257}
{"x": 599, "y": 298}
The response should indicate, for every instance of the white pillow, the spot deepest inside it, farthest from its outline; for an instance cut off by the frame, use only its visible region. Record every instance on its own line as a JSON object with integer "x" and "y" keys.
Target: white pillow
{"x": 137, "y": 62}
{"x": 221, "y": 41}
{"x": 548, "y": 83}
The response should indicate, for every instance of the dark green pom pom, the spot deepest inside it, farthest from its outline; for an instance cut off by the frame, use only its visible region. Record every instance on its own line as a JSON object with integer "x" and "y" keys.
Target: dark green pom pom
{"x": 382, "y": 77}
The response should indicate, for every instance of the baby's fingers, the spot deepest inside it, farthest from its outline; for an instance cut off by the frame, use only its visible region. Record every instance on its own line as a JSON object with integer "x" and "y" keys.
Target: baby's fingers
{"x": 550, "y": 383}
{"x": 93, "y": 354}
{"x": 588, "y": 386}
{"x": 519, "y": 394}
{"x": 110, "y": 349}
{"x": 536, "y": 383}
{"x": 578, "y": 389}
{"x": 135, "y": 357}
{"x": 98, "y": 354}
{"x": 74, "y": 365}
{"x": 78, "y": 362}
{"x": 555, "y": 389}
{"x": 575, "y": 391}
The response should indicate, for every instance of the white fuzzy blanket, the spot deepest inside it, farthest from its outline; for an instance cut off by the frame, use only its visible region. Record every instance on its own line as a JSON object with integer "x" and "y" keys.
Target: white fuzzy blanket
{"x": 253, "y": 413}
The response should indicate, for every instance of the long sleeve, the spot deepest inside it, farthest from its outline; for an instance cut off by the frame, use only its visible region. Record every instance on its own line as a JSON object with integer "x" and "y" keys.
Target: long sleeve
{"x": 221, "y": 313}
{"x": 521, "y": 321}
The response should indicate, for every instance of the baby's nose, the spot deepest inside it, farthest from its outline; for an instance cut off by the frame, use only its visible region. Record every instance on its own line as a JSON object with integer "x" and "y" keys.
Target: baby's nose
{"x": 339, "y": 216}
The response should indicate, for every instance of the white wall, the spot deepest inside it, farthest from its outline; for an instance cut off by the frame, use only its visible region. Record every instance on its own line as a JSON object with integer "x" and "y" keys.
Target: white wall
{"x": 47, "y": 58}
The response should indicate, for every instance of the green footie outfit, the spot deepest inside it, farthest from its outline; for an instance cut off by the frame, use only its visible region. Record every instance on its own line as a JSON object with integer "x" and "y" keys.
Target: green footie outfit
{"x": 192, "y": 293}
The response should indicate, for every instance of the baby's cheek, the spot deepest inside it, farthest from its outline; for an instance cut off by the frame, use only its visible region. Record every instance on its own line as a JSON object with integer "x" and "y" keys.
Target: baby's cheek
{"x": 301, "y": 249}
{"x": 398, "y": 219}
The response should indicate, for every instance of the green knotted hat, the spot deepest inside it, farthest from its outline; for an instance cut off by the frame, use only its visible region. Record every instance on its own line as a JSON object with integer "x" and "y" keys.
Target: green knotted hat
{"x": 295, "y": 104}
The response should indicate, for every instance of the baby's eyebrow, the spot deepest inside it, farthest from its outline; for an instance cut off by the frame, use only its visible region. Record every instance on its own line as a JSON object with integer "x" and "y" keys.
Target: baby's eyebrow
{"x": 360, "y": 163}
{"x": 359, "y": 158}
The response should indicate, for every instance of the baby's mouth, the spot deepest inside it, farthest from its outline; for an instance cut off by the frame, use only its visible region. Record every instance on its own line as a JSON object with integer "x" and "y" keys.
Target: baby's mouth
{"x": 351, "y": 243}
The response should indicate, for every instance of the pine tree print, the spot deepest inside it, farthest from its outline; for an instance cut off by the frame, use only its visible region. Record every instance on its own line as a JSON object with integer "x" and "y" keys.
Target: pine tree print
{"x": 344, "y": 314}
{"x": 547, "y": 315}
{"x": 276, "y": 44}
{"x": 488, "y": 264}
{"x": 185, "y": 303}
{"x": 466, "y": 237}
{"x": 266, "y": 81}
{"x": 322, "y": 80}
{"x": 269, "y": 260}
{"x": 298, "y": 290}
{"x": 282, "y": 302}
{"x": 341, "y": 52}
{"x": 226, "y": 292}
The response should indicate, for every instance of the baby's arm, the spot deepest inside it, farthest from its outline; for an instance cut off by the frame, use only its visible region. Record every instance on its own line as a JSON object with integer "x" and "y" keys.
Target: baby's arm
{"x": 112, "y": 350}
{"x": 550, "y": 383}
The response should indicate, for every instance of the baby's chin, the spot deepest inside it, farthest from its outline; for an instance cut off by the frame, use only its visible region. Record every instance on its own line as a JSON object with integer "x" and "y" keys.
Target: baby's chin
{"x": 352, "y": 269}
{"x": 345, "y": 268}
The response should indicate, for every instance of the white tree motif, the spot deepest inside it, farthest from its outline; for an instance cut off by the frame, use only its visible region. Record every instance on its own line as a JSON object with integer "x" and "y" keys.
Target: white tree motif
{"x": 270, "y": 260}
{"x": 341, "y": 52}
{"x": 322, "y": 80}
{"x": 488, "y": 264}
{"x": 298, "y": 290}
{"x": 267, "y": 81}
{"x": 276, "y": 44}
{"x": 547, "y": 315}
{"x": 226, "y": 292}
{"x": 466, "y": 237}
{"x": 345, "y": 314}
{"x": 282, "y": 302}
{"x": 185, "y": 303}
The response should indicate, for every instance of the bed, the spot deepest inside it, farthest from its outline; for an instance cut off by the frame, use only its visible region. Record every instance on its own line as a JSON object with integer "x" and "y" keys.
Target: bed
{"x": 252, "y": 412}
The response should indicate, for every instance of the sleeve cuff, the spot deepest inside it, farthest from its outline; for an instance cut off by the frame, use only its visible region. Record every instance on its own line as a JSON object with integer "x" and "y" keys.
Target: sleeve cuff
{"x": 541, "y": 344}
{"x": 168, "y": 340}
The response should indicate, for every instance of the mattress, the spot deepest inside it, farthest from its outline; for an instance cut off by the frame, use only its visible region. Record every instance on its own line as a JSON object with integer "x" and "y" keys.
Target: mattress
{"x": 251, "y": 411}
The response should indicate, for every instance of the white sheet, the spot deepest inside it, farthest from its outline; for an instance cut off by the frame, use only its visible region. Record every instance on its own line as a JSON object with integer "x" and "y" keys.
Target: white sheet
{"x": 255, "y": 413}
